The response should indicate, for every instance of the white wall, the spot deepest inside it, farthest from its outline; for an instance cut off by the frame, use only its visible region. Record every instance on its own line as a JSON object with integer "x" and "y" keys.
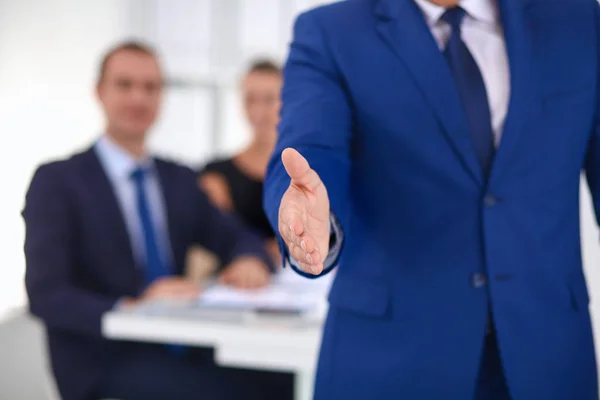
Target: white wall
{"x": 591, "y": 256}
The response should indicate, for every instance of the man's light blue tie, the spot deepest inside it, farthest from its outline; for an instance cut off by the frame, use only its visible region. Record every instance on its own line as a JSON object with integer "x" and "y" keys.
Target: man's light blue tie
{"x": 471, "y": 88}
{"x": 155, "y": 265}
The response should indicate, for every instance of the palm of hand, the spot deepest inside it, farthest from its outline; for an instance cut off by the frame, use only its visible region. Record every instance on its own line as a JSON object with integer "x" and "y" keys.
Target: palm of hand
{"x": 310, "y": 211}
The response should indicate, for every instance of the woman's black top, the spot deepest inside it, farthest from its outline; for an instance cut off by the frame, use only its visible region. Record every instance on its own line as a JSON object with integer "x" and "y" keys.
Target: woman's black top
{"x": 246, "y": 195}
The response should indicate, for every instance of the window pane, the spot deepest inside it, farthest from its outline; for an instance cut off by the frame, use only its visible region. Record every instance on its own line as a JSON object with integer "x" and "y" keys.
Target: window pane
{"x": 183, "y": 34}
{"x": 185, "y": 130}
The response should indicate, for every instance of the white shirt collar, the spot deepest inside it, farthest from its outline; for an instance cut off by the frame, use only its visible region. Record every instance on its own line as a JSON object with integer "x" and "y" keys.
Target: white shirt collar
{"x": 118, "y": 162}
{"x": 482, "y": 10}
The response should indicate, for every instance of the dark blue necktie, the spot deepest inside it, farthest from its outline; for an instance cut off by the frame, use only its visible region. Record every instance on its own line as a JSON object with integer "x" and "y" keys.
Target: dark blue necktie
{"x": 155, "y": 265}
{"x": 471, "y": 88}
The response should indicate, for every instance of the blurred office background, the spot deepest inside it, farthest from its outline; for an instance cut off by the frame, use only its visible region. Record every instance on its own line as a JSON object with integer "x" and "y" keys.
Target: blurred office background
{"x": 49, "y": 54}
{"x": 49, "y": 57}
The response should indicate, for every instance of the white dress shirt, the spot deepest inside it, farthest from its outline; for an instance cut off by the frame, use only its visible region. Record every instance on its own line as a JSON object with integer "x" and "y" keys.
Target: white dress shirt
{"x": 482, "y": 33}
{"x": 118, "y": 165}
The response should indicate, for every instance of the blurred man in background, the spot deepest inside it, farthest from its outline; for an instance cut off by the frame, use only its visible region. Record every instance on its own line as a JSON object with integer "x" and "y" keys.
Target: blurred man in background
{"x": 443, "y": 142}
{"x": 110, "y": 227}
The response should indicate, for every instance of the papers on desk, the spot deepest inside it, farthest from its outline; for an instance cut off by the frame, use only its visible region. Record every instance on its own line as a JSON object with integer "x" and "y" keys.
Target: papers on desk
{"x": 289, "y": 294}
{"x": 270, "y": 299}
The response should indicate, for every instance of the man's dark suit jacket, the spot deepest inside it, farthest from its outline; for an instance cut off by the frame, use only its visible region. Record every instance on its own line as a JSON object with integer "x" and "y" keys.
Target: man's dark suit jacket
{"x": 80, "y": 261}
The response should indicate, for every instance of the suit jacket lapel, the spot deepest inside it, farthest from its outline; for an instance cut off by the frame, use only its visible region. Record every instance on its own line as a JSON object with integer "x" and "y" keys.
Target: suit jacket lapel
{"x": 170, "y": 194}
{"x": 107, "y": 205}
{"x": 519, "y": 49}
{"x": 410, "y": 38}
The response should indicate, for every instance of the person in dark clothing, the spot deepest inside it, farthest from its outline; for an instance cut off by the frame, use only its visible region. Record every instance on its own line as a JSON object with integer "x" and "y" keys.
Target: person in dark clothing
{"x": 235, "y": 184}
{"x": 110, "y": 227}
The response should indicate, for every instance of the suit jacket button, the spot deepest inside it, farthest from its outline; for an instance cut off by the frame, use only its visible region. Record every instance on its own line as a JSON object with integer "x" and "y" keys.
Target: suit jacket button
{"x": 478, "y": 280}
{"x": 490, "y": 201}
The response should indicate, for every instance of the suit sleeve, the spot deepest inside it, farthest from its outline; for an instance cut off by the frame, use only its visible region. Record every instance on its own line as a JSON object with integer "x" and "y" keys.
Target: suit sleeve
{"x": 50, "y": 259}
{"x": 592, "y": 165}
{"x": 316, "y": 120}
{"x": 224, "y": 234}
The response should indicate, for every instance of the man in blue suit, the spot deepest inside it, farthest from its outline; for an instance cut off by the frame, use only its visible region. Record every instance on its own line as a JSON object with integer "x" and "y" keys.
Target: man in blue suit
{"x": 435, "y": 148}
{"x": 111, "y": 227}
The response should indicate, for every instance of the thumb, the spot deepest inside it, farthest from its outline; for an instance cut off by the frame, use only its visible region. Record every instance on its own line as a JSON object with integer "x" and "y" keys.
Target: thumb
{"x": 299, "y": 170}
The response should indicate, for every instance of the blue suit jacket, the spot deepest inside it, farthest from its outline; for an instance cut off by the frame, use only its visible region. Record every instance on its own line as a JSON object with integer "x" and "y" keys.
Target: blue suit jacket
{"x": 369, "y": 100}
{"x": 80, "y": 261}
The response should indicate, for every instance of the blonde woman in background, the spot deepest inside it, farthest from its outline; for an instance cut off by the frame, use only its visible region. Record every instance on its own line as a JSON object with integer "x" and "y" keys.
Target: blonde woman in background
{"x": 235, "y": 184}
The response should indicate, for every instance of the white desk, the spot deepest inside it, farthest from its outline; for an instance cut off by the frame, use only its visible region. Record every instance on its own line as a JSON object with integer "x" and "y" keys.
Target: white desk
{"x": 240, "y": 339}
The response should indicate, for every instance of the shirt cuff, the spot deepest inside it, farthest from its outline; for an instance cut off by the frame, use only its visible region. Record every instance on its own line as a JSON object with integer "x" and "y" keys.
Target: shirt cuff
{"x": 335, "y": 247}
